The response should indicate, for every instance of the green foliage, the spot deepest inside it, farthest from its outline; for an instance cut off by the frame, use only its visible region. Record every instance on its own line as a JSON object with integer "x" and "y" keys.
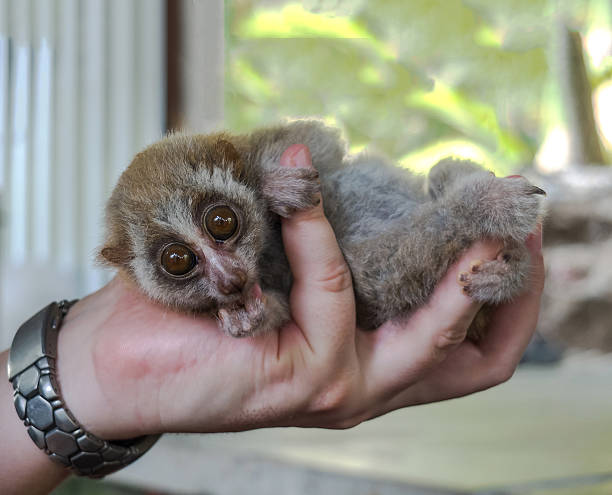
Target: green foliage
{"x": 444, "y": 76}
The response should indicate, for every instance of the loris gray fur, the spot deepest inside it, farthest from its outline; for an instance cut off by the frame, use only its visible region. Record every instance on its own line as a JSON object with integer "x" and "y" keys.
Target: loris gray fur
{"x": 399, "y": 232}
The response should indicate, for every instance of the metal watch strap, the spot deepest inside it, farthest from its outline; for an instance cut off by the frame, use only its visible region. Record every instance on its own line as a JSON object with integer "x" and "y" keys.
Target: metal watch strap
{"x": 39, "y": 403}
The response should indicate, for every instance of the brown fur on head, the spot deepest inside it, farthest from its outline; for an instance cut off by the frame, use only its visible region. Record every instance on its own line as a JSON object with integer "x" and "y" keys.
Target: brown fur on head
{"x": 163, "y": 198}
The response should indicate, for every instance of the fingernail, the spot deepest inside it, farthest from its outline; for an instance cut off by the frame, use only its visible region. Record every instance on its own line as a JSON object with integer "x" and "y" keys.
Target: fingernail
{"x": 297, "y": 155}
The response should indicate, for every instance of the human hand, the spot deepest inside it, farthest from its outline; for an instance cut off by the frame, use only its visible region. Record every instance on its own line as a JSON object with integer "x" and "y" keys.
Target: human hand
{"x": 128, "y": 366}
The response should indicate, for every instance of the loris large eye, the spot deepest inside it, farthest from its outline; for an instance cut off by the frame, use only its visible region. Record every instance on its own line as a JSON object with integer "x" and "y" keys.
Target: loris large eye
{"x": 221, "y": 222}
{"x": 178, "y": 259}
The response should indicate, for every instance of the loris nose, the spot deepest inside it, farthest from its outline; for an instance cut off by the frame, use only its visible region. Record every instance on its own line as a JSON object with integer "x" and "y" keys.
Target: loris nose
{"x": 233, "y": 282}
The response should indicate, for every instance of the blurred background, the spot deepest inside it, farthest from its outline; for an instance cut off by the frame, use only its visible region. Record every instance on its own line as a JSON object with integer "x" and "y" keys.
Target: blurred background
{"x": 522, "y": 86}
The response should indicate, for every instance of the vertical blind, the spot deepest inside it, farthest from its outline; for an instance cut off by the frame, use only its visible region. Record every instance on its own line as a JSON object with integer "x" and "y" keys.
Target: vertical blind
{"x": 81, "y": 90}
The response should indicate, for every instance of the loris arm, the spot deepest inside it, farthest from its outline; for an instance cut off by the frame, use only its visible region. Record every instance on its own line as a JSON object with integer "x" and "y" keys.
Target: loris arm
{"x": 288, "y": 190}
{"x": 446, "y": 172}
{"x": 294, "y": 188}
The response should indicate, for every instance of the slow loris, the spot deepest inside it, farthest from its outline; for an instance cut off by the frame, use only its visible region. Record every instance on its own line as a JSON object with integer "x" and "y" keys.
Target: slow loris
{"x": 194, "y": 221}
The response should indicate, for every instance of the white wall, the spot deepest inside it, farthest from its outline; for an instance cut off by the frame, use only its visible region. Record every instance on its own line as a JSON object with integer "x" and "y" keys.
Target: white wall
{"x": 81, "y": 90}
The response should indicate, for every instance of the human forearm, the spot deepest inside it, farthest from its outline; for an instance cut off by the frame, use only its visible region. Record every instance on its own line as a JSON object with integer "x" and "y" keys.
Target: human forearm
{"x": 23, "y": 467}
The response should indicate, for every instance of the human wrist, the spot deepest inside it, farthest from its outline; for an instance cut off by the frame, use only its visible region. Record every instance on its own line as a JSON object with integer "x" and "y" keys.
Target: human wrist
{"x": 107, "y": 412}
{"x": 39, "y": 401}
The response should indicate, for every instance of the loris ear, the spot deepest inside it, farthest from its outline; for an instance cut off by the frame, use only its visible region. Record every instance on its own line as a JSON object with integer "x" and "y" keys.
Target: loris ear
{"x": 228, "y": 155}
{"x": 116, "y": 256}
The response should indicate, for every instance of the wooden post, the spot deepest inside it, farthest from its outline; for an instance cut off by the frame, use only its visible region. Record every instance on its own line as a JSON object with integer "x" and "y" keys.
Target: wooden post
{"x": 576, "y": 96}
{"x": 195, "y": 65}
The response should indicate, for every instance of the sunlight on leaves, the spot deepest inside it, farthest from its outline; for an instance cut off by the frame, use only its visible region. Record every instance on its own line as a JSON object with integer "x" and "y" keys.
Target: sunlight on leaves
{"x": 410, "y": 78}
{"x": 422, "y": 160}
{"x": 294, "y": 22}
{"x": 472, "y": 118}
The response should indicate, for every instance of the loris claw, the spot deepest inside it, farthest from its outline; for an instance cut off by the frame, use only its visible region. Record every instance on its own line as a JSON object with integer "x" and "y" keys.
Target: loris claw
{"x": 194, "y": 222}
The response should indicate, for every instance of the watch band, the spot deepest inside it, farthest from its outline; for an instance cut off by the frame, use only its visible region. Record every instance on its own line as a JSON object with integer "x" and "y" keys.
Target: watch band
{"x": 38, "y": 401}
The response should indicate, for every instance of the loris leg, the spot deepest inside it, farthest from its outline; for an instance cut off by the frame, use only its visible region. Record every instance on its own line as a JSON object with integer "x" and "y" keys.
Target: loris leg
{"x": 262, "y": 312}
{"x": 397, "y": 271}
{"x": 324, "y": 143}
{"x": 446, "y": 172}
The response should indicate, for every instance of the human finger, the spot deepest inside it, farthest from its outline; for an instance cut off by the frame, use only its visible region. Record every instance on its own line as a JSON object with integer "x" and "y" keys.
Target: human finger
{"x": 473, "y": 367}
{"x": 322, "y": 300}
{"x": 512, "y": 325}
{"x": 402, "y": 352}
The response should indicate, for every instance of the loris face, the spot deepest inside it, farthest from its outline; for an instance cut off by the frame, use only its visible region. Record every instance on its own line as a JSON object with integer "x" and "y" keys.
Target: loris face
{"x": 186, "y": 225}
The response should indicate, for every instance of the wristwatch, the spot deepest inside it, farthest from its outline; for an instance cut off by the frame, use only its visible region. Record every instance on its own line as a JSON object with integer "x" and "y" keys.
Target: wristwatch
{"x": 38, "y": 401}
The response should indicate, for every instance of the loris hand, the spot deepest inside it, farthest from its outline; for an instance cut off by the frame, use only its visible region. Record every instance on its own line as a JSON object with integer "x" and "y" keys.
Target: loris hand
{"x": 129, "y": 367}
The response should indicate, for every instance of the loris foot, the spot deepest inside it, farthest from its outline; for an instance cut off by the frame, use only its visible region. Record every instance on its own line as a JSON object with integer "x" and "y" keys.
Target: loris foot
{"x": 288, "y": 190}
{"x": 496, "y": 281}
{"x": 502, "y": 208}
